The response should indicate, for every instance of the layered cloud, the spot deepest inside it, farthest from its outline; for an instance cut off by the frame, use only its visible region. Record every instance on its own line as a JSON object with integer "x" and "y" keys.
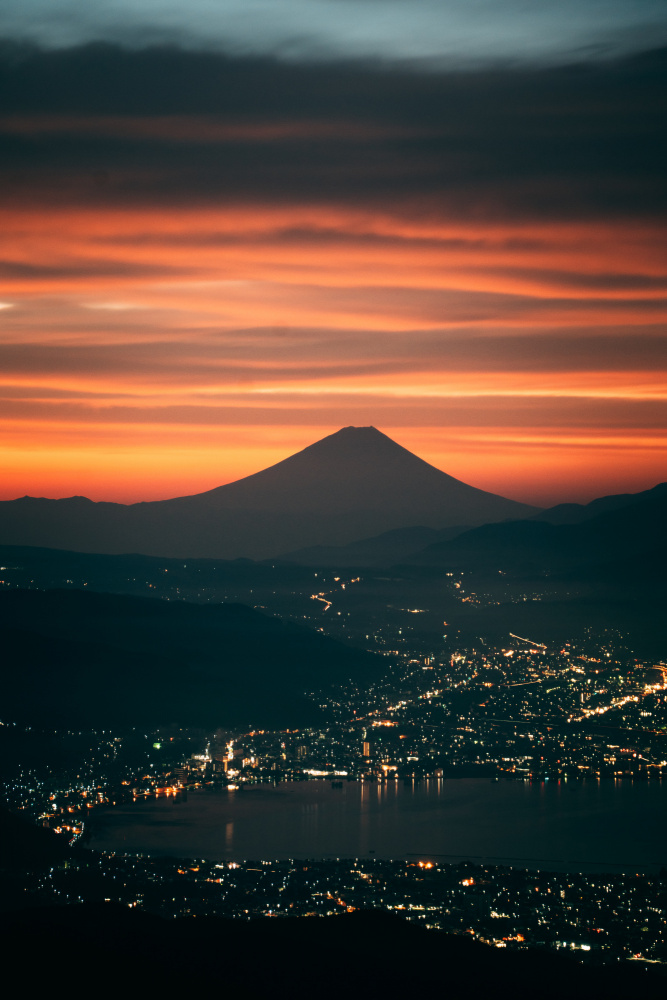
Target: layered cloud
{"x": 414, "y": 31}
{"x": 206, "y": 262}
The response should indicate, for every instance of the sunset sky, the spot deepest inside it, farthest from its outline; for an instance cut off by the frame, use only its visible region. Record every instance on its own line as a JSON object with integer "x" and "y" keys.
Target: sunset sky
{"x": 228, "y": 229}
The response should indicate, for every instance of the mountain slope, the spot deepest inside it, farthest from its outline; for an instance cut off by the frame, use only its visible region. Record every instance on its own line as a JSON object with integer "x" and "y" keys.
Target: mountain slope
{"x": 557, "y": 582}
{"x": 575, "y": 513}
{"x": 617, "y": 532}
{"x": 299, "y": 958}
{"x": 73, "y": 657}
{"x": 350, "y": 485}
{"x": 381, "y": 550}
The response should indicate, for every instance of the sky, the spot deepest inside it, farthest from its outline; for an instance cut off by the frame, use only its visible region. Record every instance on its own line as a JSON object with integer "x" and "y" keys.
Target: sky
{"x": 231, "y": 228}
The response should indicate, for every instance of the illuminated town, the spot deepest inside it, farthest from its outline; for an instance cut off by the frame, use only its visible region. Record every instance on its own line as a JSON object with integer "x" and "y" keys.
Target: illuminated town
{"x": 333, "y": 515}
{"x": 523, "y": 710}
{"x": 603, "y": 918}
{"x": 521, "y": 713}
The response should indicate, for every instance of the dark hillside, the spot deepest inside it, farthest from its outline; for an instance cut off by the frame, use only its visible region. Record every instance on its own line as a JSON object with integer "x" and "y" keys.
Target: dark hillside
{"x": 575, "y": 513}
{"x": 358, "y": 955}
{"x": 381, "y": 550}
{"x": 72, "y": 657}
{"x": 632, "y": 529}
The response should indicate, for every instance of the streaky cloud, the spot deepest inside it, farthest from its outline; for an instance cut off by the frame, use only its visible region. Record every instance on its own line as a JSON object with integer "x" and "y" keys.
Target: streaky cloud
{"x": 429, "y": 33}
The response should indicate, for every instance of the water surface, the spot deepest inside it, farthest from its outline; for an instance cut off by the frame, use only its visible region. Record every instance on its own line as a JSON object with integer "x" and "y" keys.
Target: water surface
{"x": 584, "y": 826}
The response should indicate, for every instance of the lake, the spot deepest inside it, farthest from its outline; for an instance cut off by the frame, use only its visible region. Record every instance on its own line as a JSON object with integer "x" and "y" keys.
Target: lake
{"x": 588, "y": 826}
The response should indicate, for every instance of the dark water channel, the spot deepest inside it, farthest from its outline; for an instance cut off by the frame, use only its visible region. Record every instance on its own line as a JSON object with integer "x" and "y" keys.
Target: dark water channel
{"x": 586, "y": 826}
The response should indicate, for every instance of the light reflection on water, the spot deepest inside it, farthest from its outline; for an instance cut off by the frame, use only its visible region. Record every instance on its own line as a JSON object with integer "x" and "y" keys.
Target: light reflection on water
{"x": 582, "y": 826}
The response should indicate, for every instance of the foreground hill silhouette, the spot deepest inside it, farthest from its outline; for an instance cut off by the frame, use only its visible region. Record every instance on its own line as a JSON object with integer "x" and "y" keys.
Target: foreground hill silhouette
{"x": 350, "y": 485}
{"x": 358, "y": 955}
{"x": 78, "y": 658}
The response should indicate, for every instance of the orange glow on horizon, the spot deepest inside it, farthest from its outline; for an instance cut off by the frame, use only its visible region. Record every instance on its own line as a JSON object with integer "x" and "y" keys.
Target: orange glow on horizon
{"x": 149, "y": 353}
{"x": 131, "y": 464}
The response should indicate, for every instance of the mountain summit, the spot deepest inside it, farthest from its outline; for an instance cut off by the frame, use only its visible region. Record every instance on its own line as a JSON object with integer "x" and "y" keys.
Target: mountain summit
{"x": 360, "y": 469}
{"x": 350, "y": 485}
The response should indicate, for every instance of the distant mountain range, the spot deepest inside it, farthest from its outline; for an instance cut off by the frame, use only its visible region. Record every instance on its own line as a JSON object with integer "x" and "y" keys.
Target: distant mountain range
{"x": 611, "y": 526}
{"x": 351, "y": 485}
{"x": 573, "y": 567}
{"x": 607, "y": 530}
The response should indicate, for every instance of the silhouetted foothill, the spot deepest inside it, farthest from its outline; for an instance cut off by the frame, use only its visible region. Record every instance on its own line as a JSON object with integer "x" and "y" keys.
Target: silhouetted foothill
{"x": 362, "y": 954}
{"x": 78, "y": 657}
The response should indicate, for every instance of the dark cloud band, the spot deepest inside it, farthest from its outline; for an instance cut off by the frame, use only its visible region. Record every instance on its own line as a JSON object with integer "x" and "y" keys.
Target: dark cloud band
{"x": 101, "y": 124}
